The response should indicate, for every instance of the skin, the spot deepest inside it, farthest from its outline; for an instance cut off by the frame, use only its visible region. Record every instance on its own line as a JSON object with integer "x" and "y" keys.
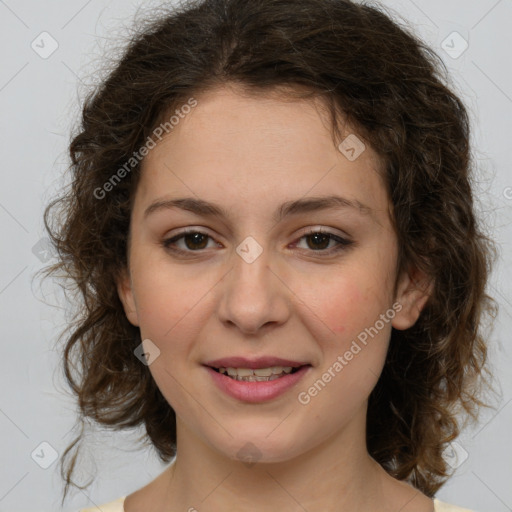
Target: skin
{"x": 249, "y": 155}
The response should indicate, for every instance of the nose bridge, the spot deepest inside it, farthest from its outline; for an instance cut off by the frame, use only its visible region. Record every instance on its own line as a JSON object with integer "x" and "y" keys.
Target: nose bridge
{"x": 253, "y": 295}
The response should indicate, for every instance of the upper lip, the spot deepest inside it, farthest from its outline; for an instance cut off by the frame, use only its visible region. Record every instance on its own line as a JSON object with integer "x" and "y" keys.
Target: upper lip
{"x": 259, "y": 362}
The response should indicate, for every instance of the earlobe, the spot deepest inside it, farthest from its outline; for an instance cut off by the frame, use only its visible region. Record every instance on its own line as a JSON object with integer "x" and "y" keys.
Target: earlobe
{"x": 414, "y": 290}
{"x": 125, "y": 292}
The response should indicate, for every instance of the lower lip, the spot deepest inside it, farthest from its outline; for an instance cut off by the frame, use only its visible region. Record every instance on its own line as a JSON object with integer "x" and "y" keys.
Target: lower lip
{"x": 257, "y": 391}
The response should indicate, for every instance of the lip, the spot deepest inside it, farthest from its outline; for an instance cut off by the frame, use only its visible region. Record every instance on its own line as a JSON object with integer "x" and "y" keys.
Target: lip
{"x": 254, "y": 364}
{"x": 256, "y": 392}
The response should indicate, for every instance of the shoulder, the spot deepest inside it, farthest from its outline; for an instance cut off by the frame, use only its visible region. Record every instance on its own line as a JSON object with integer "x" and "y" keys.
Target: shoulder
{"x": 113, "y": 506}
{"x": 441, "y": 506}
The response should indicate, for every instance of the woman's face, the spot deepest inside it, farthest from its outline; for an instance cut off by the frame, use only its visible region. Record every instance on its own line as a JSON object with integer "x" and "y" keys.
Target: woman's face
{"x": 256, "y": 283}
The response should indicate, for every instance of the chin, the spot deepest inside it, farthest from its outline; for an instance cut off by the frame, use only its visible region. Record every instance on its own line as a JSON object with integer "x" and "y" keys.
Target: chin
{"x": 258, "y": 447}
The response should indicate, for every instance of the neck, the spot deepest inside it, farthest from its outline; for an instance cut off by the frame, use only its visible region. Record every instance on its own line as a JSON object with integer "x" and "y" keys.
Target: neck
{"x": 338, "y": 474}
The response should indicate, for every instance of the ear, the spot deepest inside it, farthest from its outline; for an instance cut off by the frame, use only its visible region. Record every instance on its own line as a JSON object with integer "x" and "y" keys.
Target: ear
{"x": 125, "y": 292}
{"x": 413, "y": 292}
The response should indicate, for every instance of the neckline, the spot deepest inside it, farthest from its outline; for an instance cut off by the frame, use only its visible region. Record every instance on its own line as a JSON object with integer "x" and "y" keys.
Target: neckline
{"x": 435, "y": 500}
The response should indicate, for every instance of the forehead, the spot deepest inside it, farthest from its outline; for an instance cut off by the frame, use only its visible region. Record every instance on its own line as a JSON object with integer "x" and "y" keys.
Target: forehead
{"x": 244, "y": 150}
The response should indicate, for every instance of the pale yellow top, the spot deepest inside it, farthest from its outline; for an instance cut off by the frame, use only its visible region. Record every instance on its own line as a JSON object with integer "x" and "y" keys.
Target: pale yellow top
{"x": 117, "y": 506}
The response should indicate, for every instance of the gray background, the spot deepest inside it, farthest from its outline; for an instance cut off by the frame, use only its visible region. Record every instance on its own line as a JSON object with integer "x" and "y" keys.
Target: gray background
{"x": 39, "y": 101}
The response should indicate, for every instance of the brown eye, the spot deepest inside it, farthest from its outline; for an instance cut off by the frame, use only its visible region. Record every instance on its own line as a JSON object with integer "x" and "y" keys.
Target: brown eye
{"x": 193, "y": 241}
{"x": 318, "y": 241}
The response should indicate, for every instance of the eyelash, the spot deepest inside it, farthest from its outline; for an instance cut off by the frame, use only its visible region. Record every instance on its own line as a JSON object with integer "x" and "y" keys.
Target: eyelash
{"x": 343, "y": 243}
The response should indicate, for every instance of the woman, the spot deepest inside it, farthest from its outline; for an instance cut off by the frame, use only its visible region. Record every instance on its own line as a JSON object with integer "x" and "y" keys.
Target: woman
{"x": 272, "y": 227}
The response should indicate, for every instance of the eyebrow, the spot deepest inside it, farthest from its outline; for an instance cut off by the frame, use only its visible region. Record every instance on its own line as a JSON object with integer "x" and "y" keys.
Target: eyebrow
{"x": 296, "y": 207}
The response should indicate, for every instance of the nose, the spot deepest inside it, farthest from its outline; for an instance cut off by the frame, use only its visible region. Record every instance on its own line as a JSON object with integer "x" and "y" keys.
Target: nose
{"x": 254, "y": 297}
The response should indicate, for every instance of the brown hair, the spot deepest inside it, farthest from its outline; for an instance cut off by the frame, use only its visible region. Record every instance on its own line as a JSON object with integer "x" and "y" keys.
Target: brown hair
{"x": 388, "y": 85}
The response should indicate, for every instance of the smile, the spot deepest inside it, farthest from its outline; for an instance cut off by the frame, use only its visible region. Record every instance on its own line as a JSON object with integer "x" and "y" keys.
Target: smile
{"x": 245, "y": 385}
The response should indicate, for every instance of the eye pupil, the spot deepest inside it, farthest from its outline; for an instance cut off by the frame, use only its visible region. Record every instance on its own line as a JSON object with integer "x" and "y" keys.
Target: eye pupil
{"x": 317, "y": 238}
{"x": 196, "y": 239}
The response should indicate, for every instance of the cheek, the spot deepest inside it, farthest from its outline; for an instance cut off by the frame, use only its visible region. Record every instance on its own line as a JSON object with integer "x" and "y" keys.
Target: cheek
{"x": 163, "y": 302}
{"x": 353, "y": 357}
{"x": 354, "y": 297}
{"x": 343, "y": 310}
{"x": 350, "y": 305}
{"x": 346, "y": 306}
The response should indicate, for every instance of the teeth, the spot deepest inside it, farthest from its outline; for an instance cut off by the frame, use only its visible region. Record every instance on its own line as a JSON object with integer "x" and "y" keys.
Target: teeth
{"x": 255, "y": 378}
{"x": 263, "y": 372}
{"x": 241, "y": 372}
{"x": 257, "y": 375}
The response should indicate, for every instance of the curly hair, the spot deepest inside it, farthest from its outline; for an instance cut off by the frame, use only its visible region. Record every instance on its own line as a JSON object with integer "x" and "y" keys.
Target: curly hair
{"x": 393, "y": 89}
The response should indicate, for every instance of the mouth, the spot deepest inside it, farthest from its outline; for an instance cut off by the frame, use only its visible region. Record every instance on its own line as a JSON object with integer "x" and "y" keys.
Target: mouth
{"x": 256, "y": 380}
